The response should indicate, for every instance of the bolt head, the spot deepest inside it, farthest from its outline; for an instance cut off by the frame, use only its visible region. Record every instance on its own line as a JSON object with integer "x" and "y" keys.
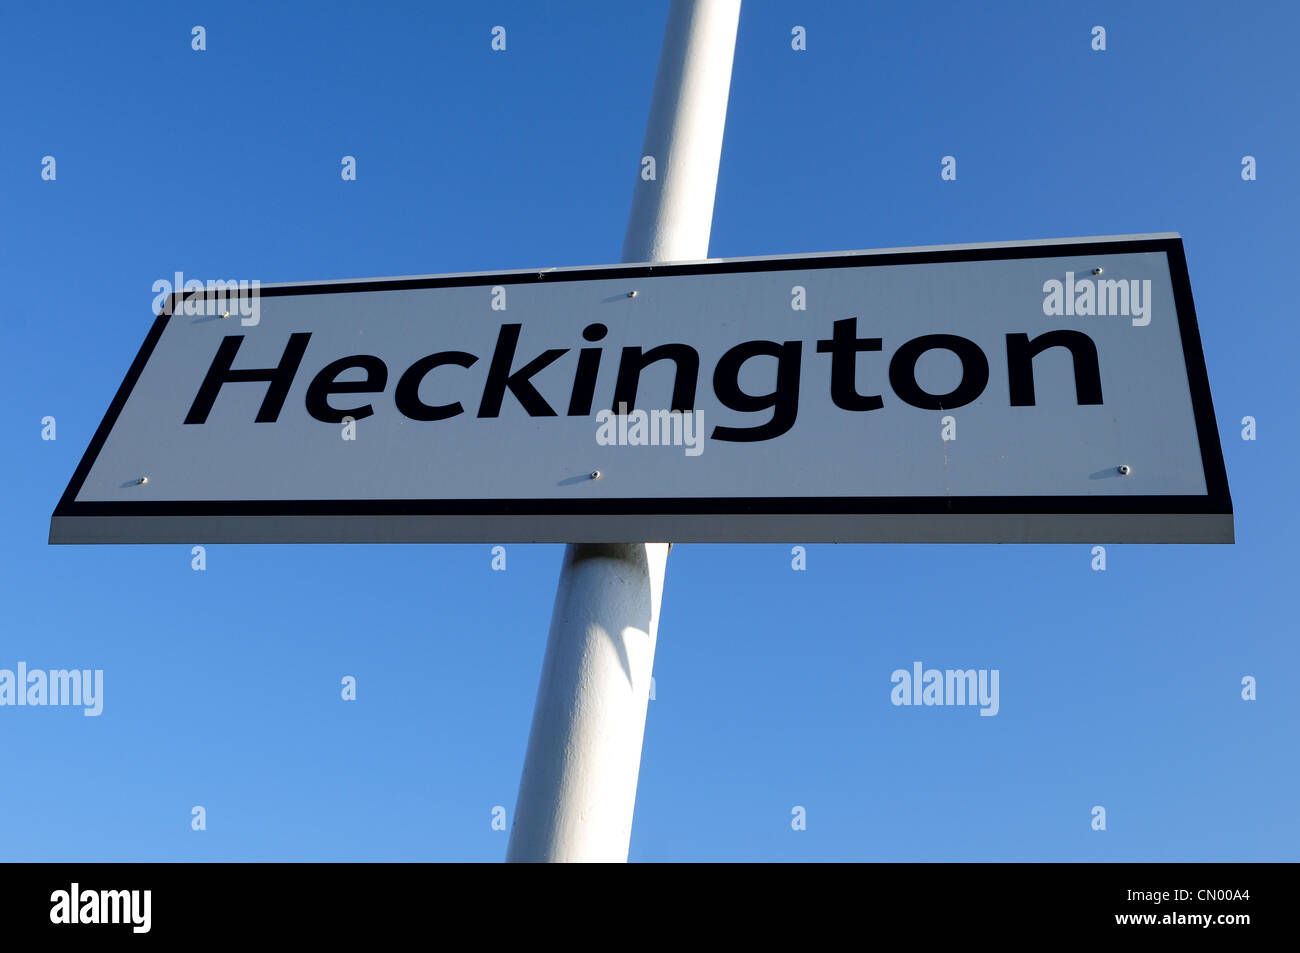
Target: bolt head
{"x": 595, "y": 474}
{"x": 1124, "y": 469}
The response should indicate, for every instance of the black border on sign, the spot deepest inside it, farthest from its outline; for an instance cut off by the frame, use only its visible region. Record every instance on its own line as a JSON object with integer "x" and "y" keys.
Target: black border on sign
{"x": 1216, "y": 500}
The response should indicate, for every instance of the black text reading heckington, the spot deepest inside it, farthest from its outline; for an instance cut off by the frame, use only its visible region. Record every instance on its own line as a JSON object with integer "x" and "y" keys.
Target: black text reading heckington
{"x": 507, "y": 375}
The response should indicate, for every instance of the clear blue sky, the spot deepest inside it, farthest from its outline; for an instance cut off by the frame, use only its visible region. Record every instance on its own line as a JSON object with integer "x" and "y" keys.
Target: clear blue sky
{"x": 1119, "y": 689}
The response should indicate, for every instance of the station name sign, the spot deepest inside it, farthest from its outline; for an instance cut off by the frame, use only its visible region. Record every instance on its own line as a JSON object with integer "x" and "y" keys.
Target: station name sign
{"x": 1040, "y": 392}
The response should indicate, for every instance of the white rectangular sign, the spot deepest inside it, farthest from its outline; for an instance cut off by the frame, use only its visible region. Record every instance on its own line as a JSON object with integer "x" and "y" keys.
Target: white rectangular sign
{"x": 1038, "y": 392}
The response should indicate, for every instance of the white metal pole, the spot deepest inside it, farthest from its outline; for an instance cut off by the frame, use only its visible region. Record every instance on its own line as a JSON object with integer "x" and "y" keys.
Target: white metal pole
{"x": 578, "y": 788}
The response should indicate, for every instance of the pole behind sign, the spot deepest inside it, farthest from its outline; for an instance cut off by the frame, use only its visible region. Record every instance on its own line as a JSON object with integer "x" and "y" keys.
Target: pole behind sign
{"x": 578, "y": 788}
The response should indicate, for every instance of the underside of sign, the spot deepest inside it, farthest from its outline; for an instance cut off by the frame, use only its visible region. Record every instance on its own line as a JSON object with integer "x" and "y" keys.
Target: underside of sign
{"x": 1049, "y": 391}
